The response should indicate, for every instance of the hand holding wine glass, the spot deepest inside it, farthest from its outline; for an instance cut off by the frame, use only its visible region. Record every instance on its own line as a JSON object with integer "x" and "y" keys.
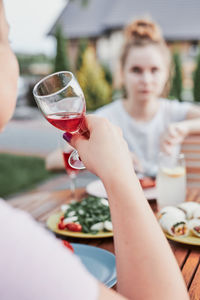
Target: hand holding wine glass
{"x": 61, "y": 101}
{"x": 105, "y": 152}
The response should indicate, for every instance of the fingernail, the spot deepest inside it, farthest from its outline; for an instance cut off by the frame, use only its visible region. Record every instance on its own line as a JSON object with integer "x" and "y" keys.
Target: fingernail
{"x": 67, "y": 136}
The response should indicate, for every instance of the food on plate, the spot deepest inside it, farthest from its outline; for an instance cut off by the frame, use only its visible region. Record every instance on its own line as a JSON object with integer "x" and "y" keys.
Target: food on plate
{"x": 90, "y": 215}
{"x": 194, "y": 226}
{"x": 181, "y": 220}
{"x": 196, "y": 213}
{"x": 74, "y": 227}
{"x": 174, "y": 225}
{"x": 108, "y": 225}
{"x": 189, "y": 208}
{"x": 68, "y": 245}
{"x": 147, "y": 182}
{"x": 172, "y": 210}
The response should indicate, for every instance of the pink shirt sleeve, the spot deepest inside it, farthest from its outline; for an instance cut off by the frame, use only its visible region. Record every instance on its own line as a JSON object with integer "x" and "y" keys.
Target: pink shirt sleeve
{"x": 35, "y": 265}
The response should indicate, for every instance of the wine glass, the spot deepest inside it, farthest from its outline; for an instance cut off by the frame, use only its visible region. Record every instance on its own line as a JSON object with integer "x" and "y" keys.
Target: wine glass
{"x": 66, "y": 150}
{"x": 60, "y": 99}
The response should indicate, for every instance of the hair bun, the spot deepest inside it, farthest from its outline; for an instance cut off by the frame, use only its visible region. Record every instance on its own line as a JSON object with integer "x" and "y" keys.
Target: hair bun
{"x": 143, "y": 29}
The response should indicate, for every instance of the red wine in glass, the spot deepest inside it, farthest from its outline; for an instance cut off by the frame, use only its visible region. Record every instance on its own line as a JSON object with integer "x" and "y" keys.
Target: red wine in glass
{"x": 66, "y": 121}
{"x": 68, "y": 168}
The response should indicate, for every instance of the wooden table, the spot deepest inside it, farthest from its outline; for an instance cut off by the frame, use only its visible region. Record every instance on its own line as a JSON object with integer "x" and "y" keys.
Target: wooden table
{"x": 42, "y": 205}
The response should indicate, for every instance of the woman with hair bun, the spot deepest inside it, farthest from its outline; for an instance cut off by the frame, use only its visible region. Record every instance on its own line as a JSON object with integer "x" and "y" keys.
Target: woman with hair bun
{"x": 150, "y": 122}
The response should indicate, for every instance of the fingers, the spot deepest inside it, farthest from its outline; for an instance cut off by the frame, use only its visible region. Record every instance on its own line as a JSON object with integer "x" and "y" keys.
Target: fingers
{"x": 174, "y": 135}
{"x": 77, "y": 140}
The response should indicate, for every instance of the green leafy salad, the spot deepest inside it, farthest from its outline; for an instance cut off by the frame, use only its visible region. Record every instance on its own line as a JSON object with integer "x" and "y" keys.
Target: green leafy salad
{"x": 90, "y": 215}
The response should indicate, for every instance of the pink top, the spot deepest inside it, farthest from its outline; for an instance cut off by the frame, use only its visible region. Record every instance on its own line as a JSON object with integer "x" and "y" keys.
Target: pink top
{"x": 34, "y": 265}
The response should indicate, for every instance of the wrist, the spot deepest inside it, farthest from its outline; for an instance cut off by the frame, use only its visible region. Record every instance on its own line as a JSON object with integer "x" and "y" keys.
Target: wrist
{"x": 116, "y": 179}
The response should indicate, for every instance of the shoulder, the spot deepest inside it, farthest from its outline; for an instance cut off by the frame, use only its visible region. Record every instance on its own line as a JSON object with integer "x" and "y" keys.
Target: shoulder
{"x": 112, "y": 111}
{"x": 175, "y": 103}
{"x": 113, "y": 106}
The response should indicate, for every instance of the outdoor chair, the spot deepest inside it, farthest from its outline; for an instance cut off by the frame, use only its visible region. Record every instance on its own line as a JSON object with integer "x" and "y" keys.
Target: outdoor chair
{"x": 191, "y": 150}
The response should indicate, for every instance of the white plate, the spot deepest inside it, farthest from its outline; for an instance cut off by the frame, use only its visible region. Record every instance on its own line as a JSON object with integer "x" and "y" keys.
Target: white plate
{"x": 97, "y": 189}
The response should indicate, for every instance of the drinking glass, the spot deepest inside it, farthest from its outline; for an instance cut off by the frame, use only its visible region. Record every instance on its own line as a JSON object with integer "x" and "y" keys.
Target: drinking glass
{"x": 171, "y": 180}
{"x": 61, "y": 101}
{"x": 66, "y": 150}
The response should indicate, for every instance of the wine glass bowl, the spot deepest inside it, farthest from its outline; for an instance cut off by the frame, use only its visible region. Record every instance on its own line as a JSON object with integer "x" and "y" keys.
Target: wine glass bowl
{"x": 61, "y": 101}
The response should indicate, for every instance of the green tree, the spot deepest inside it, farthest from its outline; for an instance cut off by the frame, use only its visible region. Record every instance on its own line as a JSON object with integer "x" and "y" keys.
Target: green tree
{"x": 108, "y": 73}
{"x": 91, "y": 77}
{"x": 61, "y": 59}
{"x": 83, "y": 44}
{"x": 196, "y": 88}
{"x": 176, "y": 86}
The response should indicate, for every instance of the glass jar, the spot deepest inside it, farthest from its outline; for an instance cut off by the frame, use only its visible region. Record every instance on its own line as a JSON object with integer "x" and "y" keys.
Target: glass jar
{"x": 171, "y": 180}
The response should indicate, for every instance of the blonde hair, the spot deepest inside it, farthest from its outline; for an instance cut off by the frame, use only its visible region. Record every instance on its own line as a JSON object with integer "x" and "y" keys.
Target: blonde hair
{"x": 144, "y": 32}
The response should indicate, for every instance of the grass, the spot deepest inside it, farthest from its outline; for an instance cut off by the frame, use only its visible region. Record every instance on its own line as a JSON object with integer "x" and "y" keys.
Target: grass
{"x": 20, "y": 173}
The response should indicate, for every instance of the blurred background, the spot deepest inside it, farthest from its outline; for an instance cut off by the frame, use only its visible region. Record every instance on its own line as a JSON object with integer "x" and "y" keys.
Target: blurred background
{"x": 85, "y": 37}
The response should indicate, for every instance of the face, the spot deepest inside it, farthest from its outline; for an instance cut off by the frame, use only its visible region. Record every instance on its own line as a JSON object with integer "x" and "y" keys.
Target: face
{"x": 144, "y": 73}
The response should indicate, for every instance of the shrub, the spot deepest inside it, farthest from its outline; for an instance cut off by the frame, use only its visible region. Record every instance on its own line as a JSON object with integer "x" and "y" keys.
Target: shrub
{"x": 91, "y": 77}
{"x": 61, "y": 59}
{"x": 196, "y": 88}
{"x": 176, "y": 86}
{"x": 83, "y": 44}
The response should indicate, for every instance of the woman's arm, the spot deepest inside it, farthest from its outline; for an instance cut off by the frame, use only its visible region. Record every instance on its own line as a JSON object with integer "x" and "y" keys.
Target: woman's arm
{"x": 146, "y": 267}
{"x": 177, "y": 132}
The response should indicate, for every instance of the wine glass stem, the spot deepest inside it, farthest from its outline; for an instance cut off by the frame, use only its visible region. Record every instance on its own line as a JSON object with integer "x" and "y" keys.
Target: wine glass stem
{"x": 72, "y": 185}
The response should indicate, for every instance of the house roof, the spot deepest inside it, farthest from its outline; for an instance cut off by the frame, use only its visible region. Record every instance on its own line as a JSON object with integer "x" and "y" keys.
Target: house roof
{"x": 179, "y": 19}
{"x": 79, "y": 20}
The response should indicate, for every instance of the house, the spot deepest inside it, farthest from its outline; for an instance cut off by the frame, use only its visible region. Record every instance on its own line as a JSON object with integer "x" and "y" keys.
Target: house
{"x": 102, "y": 22}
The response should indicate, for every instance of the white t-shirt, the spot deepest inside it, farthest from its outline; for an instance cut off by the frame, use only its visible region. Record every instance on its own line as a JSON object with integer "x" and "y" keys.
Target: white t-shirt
{"x": 143, "y": 138}
{"x": 36, "y": 266}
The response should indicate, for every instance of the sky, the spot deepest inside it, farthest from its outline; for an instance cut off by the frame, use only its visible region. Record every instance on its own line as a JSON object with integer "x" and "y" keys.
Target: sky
{"x": 29, "y": 21}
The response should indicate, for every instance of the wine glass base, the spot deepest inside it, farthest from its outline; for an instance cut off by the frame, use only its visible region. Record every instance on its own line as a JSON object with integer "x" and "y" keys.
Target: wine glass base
{"x": 75, "y": 162}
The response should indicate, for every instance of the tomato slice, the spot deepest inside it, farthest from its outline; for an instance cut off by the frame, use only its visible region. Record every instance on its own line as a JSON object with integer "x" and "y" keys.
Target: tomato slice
{"x": 62, "y": 218}
{"x": 147, "y": 182}
{"x": 68, "y": 245}
{"x": 74, "y": 227}
{"x": 61, "y": 225}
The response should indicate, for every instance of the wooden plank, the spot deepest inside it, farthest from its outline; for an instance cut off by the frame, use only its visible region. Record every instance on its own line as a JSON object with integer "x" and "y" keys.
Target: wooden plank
{"x": 192, "y": 194}
{"x": 190, "y": 151}
{"x": 27, "y": 201}
{"x": 180, "y": 252}
{"x": 194, "y": 159}
{"x": 107, "y": 244}
{"x": 197, "y": 180}
{"x": 190, "y": 267}
{"x": 192, "y": 139}
{"x": 194, "y": 290}
{"x": 193, "y": 170}
{"x": 57, "y": 199}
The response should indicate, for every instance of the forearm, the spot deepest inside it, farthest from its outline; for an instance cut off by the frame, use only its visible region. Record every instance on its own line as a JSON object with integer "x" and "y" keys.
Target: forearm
{"x": 193, "y": 125}
{"x": 146, "y": 267}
